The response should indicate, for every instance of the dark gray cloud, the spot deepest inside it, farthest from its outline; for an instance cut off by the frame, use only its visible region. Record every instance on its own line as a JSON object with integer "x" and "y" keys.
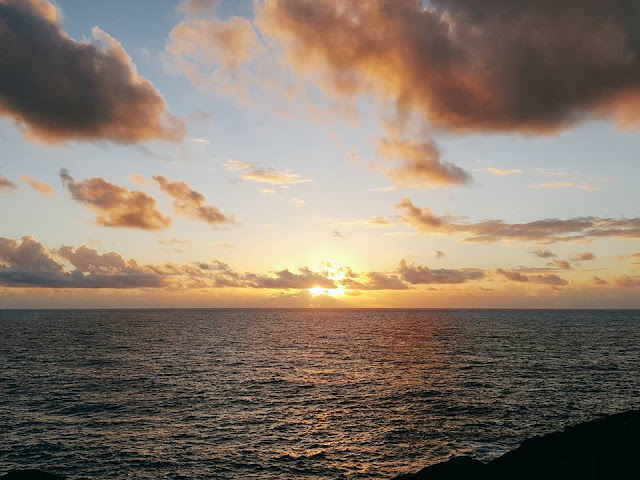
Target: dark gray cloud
{"x": 76, "y": 90}
{"x": 494, "y": 65}
{"x": 115, "y": 205}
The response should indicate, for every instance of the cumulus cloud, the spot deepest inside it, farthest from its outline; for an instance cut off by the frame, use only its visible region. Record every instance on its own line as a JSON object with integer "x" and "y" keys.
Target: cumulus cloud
{"x": 418, "y": 274}
{"x": 190, "y": 203}
{"x": 468, "y": 65}
{"x": 285, "y": 279}
{"x": 115, "y": 205}
{"x": 377, "y": 281}
{"x": 6, "y": 184}
{"x": 419, "y": 164}
{"x": 27, "y": 263}
{"x": 78, "y": 90}
{"x": 543, "y": 279}
{"x": 251, "y": 171}
{"x": 545, "y": 231}
{"x": 44, "y": 188}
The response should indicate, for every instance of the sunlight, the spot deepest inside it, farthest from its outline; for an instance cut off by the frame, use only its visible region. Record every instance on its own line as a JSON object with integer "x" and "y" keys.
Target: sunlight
{"x": 333, "y": 292}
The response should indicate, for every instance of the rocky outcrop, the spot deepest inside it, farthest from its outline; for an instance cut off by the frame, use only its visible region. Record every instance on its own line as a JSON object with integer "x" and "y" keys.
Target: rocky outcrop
{"x": 603, "y": 449}
{"x": 30, "y": 475}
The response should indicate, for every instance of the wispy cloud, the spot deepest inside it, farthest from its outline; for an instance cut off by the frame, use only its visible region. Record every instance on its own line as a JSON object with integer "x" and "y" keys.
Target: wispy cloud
{"x": 44, "y": 188}
{"x": 504, "y": 171}
{"x": 6, "y": 184}
{"x": 544, "y": 231}
{"x": 251, "y": 171}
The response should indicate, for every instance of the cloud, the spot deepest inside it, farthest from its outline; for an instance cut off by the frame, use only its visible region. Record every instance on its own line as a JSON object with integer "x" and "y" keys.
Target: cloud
{"x": 378, "y": 222}
{"x": 198, "y": 7}
{"x": 285, "y": 279}
{"x": 553, "y": 185}
{"x": 628, "y": 281}
{"x": 544, "y": 279}
{"x": 598, "y": 281}
{"x": 373, "y": 222}
{"x": 418, "y": 274}
{"x": 419, "y": 164}
{"x": 250, "y": 171}
{"x": 562, "y": 264}
{"x": 213, "y": 52}
{"x": 6, "y": 184}
{"x": 42, "y": 187}
{"x": 78, "y": 90}
{"x": 504, "y": 171}
{"x": 27, "y": 263}
{"x": 139, "y": 180}
{"x": 298, "y": 202}
{"x": 555, "y": 173}
{"x": 545, "y": 231}
{"x": 544, "y": 253}
{"x": 115, "y": 205}
{"x": 468, "y": 65}
{"x": 583, "y": 257}
{"x": 632, "y": 256}
{"x": 337, "y": 234}
{"x": 377, "y": 281}
{"x": 583, "y": 186}
{"x": 440, "y": 254}
{"x": 190, "y": 203}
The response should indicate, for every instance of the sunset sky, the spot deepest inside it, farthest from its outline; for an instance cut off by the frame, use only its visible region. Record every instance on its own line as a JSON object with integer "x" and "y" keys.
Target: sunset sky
{"x": 336, "y": 153}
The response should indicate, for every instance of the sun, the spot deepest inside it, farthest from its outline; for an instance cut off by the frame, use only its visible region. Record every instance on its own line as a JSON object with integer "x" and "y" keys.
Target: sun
{"x": 337, "y": 276}
{"x": 333, "y": 292}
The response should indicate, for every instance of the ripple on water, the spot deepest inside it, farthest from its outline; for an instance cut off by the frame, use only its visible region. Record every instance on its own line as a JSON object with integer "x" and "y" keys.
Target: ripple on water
{"x": 317, "y": 394}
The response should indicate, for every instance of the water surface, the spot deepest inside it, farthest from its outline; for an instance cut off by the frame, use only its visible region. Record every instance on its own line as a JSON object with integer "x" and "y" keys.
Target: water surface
{"x": 314, "y": 394}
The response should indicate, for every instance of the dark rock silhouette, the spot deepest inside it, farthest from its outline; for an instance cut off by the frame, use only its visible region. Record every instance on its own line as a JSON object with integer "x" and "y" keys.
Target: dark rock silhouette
{"x": 30, "y": 475}
{"x": 607, "y": 448}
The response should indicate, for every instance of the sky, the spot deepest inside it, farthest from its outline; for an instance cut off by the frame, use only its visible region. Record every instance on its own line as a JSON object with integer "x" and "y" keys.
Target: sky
{"x": 325, "y": 153}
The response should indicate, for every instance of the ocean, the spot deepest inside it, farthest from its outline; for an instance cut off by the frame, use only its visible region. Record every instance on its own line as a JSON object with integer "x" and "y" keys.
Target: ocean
{"x": 312, "y": 394}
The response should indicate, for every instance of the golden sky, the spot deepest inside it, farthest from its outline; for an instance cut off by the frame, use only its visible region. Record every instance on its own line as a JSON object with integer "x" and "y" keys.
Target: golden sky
{"x": 326, "y": 153}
